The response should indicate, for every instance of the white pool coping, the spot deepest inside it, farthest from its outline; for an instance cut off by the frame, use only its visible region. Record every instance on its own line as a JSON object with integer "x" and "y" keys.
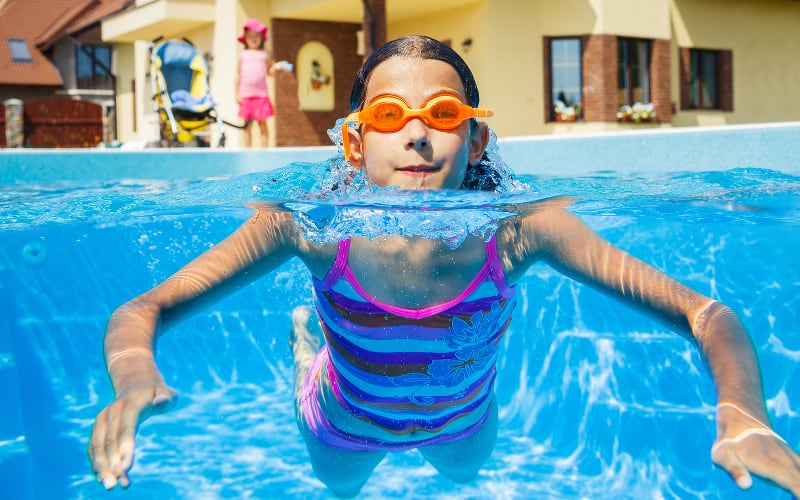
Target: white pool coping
{"x": 774, "y": 146}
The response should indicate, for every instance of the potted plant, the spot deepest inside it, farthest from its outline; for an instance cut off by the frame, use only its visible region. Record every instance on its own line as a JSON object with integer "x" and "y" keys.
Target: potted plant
{"x": 637, "y": 113}
{"x": 567, "y": 113}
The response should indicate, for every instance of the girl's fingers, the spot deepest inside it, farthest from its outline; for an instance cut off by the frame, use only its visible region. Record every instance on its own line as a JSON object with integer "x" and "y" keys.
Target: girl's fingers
{"x": 111, "y": 446}
{"x": 97, "y": 450}
{"x": 726, "y": 458}
{"x": 99, "y": 445}
{"x": 111, "y": 441}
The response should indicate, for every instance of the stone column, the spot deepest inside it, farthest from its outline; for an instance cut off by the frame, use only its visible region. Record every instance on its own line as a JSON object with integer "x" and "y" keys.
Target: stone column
{"x": 15, "y": 136}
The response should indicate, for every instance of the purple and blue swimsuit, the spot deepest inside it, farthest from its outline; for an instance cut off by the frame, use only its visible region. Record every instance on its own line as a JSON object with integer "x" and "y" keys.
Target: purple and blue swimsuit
{"x": 404, "y": 377}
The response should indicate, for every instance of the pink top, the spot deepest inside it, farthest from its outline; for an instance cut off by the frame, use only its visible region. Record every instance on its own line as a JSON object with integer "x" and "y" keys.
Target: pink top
{"x": 253, "y": 74}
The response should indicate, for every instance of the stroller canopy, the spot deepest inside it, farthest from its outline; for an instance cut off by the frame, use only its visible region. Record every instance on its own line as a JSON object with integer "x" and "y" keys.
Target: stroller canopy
{"x": 185, "y": 75}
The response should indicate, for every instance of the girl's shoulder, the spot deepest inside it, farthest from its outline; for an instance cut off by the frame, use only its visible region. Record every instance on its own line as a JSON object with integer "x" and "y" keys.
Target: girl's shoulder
{"x": 521, "y": 239}
{"x": 282, "y": 227}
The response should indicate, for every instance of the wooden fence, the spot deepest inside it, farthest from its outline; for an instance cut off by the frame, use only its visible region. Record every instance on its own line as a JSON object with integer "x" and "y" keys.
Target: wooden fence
{"x": 59, "y": 122}
{"x": 2, "y": 125}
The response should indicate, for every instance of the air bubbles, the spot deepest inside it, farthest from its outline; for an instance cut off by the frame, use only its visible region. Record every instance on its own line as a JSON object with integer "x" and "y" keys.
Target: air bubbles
{"x": 34, "y": 253}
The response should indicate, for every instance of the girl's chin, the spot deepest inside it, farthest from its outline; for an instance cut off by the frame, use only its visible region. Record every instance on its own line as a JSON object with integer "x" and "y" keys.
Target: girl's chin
{"x": 421, "y": 180}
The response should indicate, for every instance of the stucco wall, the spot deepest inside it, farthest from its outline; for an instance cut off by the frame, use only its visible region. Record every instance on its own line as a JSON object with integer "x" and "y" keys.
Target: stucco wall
{"x": 507, "y": 54}
{"x": 764, "y": 37}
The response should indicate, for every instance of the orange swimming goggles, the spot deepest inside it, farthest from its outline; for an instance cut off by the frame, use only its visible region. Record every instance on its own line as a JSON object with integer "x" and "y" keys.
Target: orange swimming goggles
{"x": 390, "y": 113}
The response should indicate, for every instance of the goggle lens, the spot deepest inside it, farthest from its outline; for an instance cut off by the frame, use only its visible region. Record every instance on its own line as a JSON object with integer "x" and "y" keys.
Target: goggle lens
{"x": 387, "y": 116}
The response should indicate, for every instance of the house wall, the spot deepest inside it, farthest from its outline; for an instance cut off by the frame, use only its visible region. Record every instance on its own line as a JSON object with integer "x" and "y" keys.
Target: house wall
{"x": 764, "y": 37}
{"x": 297, "y": 127}
{"x": 507, "y": 56}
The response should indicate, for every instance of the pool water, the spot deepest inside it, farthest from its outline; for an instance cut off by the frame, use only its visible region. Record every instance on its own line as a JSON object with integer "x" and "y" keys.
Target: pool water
{"x": 596, "y": 401}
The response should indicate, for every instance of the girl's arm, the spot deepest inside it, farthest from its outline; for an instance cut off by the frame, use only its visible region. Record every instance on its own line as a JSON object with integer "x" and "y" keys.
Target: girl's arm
{"x": 270, "y": 63}
{"x": 273, "y": 67}
{"x": 745, "y": 441}
{"x": 261, "y": 244}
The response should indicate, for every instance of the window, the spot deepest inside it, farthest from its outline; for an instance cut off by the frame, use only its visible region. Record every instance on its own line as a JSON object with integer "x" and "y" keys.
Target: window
{"x": 566, "y": 86}
{"x": 703, "y": 79}
{"x": 633, "y": 57}
{"x": 93, "y": 69}
{"x": 706, "y": 79}
{"x": 19, "y": 50}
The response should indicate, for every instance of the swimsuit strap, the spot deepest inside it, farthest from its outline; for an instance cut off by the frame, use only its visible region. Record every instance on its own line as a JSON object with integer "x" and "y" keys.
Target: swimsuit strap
{"x": 339, "y": 265}
{"x": 496, "y": 268}
{"x": 491, "y": 268}
{"x": 425, "y": 311}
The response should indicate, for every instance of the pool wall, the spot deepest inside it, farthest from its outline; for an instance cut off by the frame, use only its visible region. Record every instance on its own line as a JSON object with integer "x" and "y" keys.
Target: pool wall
{"x": 775, "y": 146}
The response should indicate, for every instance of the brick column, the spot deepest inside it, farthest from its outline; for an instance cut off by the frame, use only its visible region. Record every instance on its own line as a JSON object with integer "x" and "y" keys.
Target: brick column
{"x": 725, "y": 79}
{"x": 660, "y": 93}
{"x": 374, "y": 25}
{"x": 685, "y": 71}
{"x": 600, "y": 78}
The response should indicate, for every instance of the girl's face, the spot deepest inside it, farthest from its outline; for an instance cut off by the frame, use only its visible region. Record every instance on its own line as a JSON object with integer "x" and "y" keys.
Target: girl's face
{"x": 416, "y": 156}
{"x": 252, "y": 39}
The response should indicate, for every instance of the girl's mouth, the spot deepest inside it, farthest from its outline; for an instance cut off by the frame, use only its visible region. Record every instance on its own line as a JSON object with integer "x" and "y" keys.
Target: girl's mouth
{"x": 418, "y": 170}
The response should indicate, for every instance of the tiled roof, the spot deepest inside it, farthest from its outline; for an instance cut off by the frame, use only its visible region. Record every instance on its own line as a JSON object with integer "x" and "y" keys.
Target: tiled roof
{"x": 41, "y": 23}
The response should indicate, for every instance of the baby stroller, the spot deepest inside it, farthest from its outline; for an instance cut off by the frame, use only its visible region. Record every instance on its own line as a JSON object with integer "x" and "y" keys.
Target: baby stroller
{"x": 184, "y": 108}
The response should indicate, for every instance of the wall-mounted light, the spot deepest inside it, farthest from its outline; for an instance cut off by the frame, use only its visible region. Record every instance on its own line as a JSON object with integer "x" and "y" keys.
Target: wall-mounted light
{"x": 466, "y": 44}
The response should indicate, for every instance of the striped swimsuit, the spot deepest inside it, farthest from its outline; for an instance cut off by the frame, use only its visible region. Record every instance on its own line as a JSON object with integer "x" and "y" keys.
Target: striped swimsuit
{"x": 422, "y": 376}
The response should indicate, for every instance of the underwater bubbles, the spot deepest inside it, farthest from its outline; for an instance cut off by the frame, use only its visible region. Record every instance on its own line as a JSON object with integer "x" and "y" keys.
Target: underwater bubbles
{"x": 34, "y": 253}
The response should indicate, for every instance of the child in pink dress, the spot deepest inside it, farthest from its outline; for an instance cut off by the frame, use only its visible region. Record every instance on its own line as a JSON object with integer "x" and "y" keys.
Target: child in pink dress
{"x": 252, "y": 93}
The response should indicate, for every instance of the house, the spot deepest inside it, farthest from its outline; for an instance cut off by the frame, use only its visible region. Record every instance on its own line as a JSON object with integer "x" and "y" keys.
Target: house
{"x": 544, "y": 66}
{"x": 52, "y": 48}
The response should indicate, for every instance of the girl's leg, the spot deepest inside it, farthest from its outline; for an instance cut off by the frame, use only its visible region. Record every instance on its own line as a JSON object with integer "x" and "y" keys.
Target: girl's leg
{"x": 262, "y": 128}
{"x": 248, "y": 128}
{"x": 304, "y": 347}
{"x": 460, "y": 461}
{"x": 343, "y": 472}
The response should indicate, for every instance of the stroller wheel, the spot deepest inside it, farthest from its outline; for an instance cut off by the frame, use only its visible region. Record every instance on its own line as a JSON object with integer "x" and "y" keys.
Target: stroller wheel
{"x": 221, "y": 142}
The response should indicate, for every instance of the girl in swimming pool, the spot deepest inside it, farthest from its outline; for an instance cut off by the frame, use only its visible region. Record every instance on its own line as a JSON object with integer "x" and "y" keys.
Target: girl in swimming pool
{"x": 409, "y": 361}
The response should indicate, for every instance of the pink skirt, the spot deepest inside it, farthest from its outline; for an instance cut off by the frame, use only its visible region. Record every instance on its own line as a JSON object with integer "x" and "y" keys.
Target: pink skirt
{"x": 256, "y": 108}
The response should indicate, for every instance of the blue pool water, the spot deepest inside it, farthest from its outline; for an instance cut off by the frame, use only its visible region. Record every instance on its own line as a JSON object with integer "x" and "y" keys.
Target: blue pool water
{"x": 596, "y": 401}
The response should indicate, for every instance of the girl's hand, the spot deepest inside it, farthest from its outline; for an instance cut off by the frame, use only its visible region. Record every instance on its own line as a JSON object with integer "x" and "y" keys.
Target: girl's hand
{"x": 112, "y": 443}
{"x": 282, "y": 66}
{"x": 746, "y": 445}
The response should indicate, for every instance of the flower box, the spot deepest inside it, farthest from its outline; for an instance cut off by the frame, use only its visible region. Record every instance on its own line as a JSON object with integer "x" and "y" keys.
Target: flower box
{"x": 638, "y": 113}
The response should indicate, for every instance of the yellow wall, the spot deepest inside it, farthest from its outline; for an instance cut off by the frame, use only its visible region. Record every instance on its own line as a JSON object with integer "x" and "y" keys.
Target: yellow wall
{"x": 456, "y": 26}
{"x": 506, "y": 54}
{"x": 765, "y": 38}
{"x": 632, "y": 18}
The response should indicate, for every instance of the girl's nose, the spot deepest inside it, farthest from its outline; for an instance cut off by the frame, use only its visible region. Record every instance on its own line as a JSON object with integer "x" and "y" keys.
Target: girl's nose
{"x": 418, "y": 135}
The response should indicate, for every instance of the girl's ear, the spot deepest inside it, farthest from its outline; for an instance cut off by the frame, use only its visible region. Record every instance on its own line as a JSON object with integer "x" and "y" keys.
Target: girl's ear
{"x": 478, "y": 141}
{"x": 355, "y": 154}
